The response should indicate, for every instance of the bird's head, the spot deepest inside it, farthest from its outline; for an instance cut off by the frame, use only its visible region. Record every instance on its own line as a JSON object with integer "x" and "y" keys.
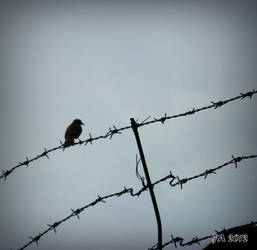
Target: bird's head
{"x": 78, "y": 121}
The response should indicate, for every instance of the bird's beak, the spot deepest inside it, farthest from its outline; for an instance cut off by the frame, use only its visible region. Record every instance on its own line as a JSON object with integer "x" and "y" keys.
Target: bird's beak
{"x": 82, "y": 123}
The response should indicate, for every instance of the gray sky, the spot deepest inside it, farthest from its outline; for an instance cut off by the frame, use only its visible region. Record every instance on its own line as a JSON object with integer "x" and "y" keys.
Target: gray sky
{"x": 104, "y": 62}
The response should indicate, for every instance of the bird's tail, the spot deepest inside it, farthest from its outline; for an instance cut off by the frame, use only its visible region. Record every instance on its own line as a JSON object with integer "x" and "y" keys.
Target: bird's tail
{"x": 69, "y": 140}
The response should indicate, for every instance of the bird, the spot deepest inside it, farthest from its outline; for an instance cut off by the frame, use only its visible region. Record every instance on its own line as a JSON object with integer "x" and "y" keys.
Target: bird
{"x": 72, "y": 132}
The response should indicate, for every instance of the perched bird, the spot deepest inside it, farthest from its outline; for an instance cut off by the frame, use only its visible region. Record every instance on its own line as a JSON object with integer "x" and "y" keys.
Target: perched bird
{"x": 72, "y": 132}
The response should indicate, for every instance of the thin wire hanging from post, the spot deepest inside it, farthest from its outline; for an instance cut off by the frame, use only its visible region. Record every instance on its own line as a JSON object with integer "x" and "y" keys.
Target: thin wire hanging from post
{"x": 134, "y": 127}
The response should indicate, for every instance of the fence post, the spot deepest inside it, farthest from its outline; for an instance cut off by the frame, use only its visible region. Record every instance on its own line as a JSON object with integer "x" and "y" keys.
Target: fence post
{"x": 134, "y": 127}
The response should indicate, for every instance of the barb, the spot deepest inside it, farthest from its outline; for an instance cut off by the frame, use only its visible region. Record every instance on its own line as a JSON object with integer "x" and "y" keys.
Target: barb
{"x": 196, "y": 240}
{"x": 111, "y": 132}
{"x": 125, "y": 190}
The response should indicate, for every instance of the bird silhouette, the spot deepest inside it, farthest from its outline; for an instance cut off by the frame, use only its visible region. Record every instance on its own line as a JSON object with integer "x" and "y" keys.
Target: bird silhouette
{"x": 72, "y": 132}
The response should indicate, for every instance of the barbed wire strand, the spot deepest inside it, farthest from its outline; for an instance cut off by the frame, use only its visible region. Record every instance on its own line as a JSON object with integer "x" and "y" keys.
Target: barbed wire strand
{"x": 234, "y": 161}
{"x": 114, "y": 130}
{"x": 196, "y": 240}
{"x": 103, "y": 199}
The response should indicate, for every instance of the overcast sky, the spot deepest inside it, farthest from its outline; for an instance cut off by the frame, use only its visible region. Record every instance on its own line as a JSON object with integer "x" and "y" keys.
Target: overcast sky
{"x": 105, "y": 62}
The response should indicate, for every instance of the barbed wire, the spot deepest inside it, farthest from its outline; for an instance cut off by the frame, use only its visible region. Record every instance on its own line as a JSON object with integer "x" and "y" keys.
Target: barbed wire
{"x": 130, "y": 191}
{"x": 196, "y": 240}
{"x": 114, "y": 130}
{"x": 234, "y": 161}
{"x": 214, "y": 105}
